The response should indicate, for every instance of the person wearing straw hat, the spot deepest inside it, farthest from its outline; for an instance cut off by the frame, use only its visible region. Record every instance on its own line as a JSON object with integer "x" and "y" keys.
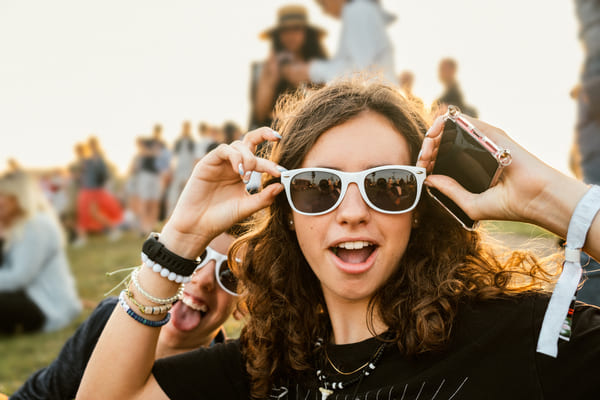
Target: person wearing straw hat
{"x": 293, "y": 39}
{"x": 364, "y": 45}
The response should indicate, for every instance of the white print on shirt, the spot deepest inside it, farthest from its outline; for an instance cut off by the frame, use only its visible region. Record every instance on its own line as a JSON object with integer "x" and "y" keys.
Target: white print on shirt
{"x": 391, "y": 393}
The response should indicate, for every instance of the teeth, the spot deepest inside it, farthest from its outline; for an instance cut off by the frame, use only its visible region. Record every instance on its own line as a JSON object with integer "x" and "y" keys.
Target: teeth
{"x": 191, "y": 303}
{"x": 354, "y": 245}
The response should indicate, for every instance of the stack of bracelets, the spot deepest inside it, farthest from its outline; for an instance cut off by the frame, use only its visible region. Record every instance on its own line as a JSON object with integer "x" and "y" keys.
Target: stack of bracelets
{"x": 170, "y": 266}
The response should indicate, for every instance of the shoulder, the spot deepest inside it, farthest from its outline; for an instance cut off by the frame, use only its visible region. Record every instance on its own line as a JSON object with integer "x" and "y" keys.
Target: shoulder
{"x": 41, "y": 224}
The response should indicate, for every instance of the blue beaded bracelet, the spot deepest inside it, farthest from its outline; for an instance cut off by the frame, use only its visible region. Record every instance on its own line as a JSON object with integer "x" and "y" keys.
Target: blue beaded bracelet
{"x": 139, "y": 318}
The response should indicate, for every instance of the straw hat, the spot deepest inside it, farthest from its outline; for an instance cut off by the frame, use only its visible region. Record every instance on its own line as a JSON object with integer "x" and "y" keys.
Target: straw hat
{"x": 291, "y": 16}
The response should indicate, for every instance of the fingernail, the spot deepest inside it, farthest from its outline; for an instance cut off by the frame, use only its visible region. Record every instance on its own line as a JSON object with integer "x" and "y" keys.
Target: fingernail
{"x": 241, "y": 169}
{"x": 281, "y": 169}
{"x": 247, "y": 176}
{"x": 419, "y": 155}
{"x": 276, "y": 134}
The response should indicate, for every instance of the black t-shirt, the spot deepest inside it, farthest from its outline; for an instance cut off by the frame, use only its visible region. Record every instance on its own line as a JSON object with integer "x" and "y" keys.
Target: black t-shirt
{"x": 61, "y": 379}
{"x": 491, "y": 355}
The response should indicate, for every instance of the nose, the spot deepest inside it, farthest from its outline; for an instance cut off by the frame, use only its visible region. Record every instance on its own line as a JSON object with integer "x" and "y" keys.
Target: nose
{"x": 352, "y": 210}
{"x": 204, "y": 278}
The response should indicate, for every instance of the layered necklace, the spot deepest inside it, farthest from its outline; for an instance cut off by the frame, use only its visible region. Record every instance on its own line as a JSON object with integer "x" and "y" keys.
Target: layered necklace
{"x": 327, "y": 386}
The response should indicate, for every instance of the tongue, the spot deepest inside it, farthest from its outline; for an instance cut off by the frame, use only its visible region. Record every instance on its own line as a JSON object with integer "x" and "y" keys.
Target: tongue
{"x": 354, "y": 256}
{"x": 184, "y": 318}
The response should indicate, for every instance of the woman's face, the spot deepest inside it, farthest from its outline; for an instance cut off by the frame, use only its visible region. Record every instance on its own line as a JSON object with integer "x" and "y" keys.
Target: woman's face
{"x": 9, "y": 208}
{"x": 369, "y": 140}
{"x": 292, "y": 39}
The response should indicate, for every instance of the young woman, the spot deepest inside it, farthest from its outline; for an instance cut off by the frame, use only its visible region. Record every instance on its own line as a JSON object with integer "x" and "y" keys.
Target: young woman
{"x": 37, "y": 290}
{"x": 293, "y": 39}
{"x": 352, "y": 294}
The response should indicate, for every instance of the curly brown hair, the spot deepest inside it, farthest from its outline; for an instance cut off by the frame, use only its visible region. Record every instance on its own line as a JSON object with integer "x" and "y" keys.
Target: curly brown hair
{"x": 442, "y": 265}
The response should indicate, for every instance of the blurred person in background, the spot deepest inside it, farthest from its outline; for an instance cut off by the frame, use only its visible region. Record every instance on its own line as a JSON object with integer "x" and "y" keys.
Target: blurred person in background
{"x": 132, "y": 215}
{"x": 97, "y": 209}
{"x": 184, "y": 157}
{"x": 588, "y": 124}
{"x": 452, "y": 93}
{"x": 293, "y": 39}
{"x": 37, "y": 290}
{"x": 204, "y": 140}
{"x": 231, "y": 132}
{"x": 148, "y": 185}
{"x": 196, "y": 321}
{"x": 364, "y": 45}
{"x": 406, "y": 79}
{"x": 216, "y": 136}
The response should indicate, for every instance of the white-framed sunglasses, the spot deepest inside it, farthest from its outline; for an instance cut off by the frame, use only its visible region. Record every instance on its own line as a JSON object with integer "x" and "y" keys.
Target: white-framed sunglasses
{"x": 225, "y": 277}
{"x": 389, "y": 189}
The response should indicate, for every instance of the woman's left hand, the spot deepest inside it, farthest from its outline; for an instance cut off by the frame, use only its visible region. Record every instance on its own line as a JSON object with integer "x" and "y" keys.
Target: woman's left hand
{"x": 528, "y": 190}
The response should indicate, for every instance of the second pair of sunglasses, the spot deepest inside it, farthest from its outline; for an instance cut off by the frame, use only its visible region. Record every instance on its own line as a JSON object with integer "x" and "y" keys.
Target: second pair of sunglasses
{"x": 389, "y": 189}
{"x": 225, "y": 277}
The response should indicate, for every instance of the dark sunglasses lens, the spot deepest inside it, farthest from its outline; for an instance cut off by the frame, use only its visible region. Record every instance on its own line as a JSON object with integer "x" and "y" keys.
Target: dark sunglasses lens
{"x": 227, "y": 278}
{"x": 315, "y": 191}
{"x": 391, "y": 189}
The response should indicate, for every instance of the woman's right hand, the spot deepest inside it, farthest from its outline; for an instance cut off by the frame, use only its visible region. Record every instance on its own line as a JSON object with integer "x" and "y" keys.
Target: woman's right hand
{"x": 215, "y": 196}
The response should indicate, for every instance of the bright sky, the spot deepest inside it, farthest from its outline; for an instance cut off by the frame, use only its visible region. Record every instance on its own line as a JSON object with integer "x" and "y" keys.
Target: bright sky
{"x": 71, "y": 68}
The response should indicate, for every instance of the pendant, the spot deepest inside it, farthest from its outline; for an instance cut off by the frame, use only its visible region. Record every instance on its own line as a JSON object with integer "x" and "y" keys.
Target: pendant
{"x": 325, "y": 393}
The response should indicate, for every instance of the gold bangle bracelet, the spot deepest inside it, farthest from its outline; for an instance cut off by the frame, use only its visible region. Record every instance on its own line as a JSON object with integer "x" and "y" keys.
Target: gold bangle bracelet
{"x": 153, "y": 310}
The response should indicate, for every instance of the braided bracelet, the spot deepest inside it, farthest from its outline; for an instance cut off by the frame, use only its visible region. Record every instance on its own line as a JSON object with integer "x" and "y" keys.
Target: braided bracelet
{"x": 139, "y": 318}
{"x": 164, "y": 272}
{"x": 153, "y": 310}
{"x": 157, "y": 300}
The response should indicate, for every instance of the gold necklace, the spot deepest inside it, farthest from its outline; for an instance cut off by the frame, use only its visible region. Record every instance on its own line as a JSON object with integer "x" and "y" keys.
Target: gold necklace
{"x": 352, "y": 372}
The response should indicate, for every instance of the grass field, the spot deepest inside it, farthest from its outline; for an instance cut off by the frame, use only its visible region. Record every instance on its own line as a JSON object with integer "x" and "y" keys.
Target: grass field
{"x": 22, "y": 355}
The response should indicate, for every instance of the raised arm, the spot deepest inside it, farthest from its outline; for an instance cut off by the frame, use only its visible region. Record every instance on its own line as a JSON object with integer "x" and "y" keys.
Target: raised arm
{"x": 214, "y": 199}
{"x": 529, "y": 190}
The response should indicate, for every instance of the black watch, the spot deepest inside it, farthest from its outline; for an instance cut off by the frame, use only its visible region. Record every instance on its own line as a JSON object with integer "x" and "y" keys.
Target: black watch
{"x": 157, "y": 252}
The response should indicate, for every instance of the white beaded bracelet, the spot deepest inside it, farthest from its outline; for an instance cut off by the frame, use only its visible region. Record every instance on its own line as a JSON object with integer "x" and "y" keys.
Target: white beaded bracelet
{"x": 153, "y": 310}
{"x": 157, "y": 300}
{"x": 164, "y": 272}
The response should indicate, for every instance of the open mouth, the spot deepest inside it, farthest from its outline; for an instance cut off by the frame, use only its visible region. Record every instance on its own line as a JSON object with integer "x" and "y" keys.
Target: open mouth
{"x": 195, "y": 305}
{"x": 356, "y": 252}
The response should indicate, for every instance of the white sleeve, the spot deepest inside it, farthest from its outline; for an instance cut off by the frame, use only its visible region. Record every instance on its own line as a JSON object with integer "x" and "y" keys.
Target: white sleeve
{"x": 362, "y": 40}
{"x": 27, "y": 257}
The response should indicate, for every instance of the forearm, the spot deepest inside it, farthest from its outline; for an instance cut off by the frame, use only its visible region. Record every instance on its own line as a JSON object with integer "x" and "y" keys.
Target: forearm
{"x": 133, "y": 342}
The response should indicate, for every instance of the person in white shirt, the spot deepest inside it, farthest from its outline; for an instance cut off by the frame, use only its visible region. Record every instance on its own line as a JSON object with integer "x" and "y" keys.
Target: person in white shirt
{"x": 37, "y": 289}
{"x": 364, "y": 45}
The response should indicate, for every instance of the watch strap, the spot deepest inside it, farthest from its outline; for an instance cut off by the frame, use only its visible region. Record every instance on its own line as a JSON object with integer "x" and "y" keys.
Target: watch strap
{"x": 157, "y": 252}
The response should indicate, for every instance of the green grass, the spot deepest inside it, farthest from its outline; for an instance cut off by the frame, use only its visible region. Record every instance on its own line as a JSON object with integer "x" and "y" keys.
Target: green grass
{"x": 22, "y": 355}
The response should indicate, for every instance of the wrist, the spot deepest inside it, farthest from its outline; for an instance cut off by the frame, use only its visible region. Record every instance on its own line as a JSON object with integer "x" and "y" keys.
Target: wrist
{"x": 553, "y": 207}
{"x": 185, "y": 245}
